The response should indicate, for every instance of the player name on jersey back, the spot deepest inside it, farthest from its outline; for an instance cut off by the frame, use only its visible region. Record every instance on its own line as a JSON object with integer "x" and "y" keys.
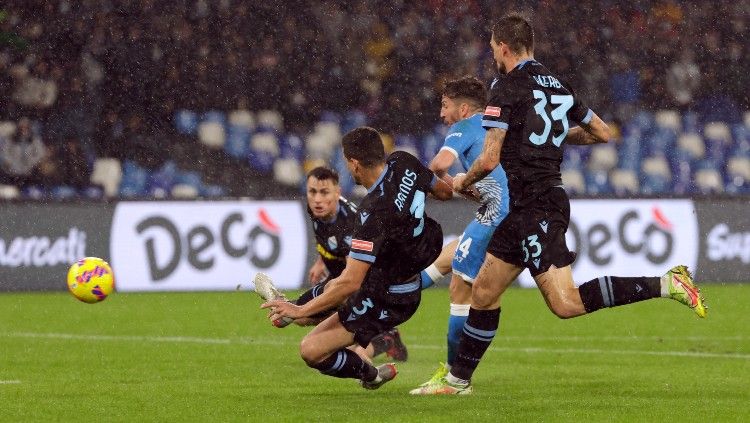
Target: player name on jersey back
{"x": 547, "y": 81}
{"x": 405, "y": 187}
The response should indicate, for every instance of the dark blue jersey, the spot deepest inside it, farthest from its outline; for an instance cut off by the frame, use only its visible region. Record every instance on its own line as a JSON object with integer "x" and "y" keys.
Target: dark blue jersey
{"x": 334, "y": 238}
{"x": 392, "y": 230}
{"x": 537, "y": 110}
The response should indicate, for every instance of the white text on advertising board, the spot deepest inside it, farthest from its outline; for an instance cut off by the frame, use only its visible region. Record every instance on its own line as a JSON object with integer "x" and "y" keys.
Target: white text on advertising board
{"x": 206, "y": 246}
{"x": 42, "y": 250}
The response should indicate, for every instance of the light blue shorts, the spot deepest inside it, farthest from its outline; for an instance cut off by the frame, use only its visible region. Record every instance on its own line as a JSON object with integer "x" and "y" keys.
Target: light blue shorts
{"x": 471, "y": 250}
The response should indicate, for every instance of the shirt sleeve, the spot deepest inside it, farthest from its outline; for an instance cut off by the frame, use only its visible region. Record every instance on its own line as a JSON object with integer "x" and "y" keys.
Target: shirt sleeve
{"x": 368, "y": 237}
{"x": 579, "y": 112}
{"x": 497, "y": 112}
{"x": 456, "y": 141}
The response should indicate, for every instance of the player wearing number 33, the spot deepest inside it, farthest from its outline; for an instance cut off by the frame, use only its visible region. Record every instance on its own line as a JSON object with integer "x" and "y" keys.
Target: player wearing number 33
{"x": 528, "y": 117}
{"x": 380, "y": 287}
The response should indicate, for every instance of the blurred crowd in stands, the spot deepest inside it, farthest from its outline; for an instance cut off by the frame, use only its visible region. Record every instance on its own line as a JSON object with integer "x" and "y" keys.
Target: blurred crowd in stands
{"x": 231, "y": 97}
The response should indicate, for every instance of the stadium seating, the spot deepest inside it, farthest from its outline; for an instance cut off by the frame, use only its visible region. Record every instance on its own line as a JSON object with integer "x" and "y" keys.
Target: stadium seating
{"x": 287, "y": 171}
{"x": 659, "y": 153}
{"x": 738, "y": 175}
{"x": 573, "y": 181}
{"x": 270, "y": 120}
{"x": 186, "y": 122}
{"x": 624, "y": 182}
{"x": 134, "y": 180}
{"x": 603, "y": 158}
{"x": 184, "y": 191}
{"x": 7, "y": 129}
{"x": 707, "y": 178}
{"x": 692, "y": 144}
{"x": 656, "y": 175}
{"x": 9, "y": 192}
{"x": 107, "y": 173}
{"x": 597, "y": 183}
{"x": 63, "y": 192}
{"x": 212, "y": 134}
{"x": 668, "y": 119}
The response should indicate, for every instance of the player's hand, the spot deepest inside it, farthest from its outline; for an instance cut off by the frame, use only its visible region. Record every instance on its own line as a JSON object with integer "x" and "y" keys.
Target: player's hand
{"x": 317, "y": 272}
{"x": 282, "y": 308}
{"x": 458, "y": 182}
{"x": 306, "y": 321}
{"x": 448, "y": 179}
{"x": 472, "y": 194}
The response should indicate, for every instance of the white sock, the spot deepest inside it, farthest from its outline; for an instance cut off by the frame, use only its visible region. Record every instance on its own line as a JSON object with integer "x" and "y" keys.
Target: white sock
{"x": 460, "y": 309}
{"x": 454, "y": 380}
{"x": 664, "y": 283}
{"x": 433, "y": 272}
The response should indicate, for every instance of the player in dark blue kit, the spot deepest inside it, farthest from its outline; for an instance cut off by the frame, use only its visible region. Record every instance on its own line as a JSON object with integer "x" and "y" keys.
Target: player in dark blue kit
{"x": 333, "y": 219}
{"x": 380, "y": 287}
{"x": 527, "y": 119}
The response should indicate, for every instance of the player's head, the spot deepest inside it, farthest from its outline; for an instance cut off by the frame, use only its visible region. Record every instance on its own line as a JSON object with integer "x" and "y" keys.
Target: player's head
{"x": 363, "y": 150}
{"x": 323, "y": 192}
{"x": 512, "y": 37}
{"x": 461, "y": 98}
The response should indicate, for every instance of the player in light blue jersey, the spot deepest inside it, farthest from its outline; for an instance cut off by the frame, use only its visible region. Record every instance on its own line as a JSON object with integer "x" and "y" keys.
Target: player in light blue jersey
{"x": 462, "y": 107}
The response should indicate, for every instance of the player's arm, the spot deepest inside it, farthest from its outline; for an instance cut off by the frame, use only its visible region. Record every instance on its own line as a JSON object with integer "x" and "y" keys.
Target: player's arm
{"x": 335, "y": 293}
{"x": 338, "y": 289}
{"x": 317, "y": 270}
{"x": 442, "y": 162}
{"x": 485, "y": 163}
{"x": 441, "y": 189}
{"x": 593, "y": 132}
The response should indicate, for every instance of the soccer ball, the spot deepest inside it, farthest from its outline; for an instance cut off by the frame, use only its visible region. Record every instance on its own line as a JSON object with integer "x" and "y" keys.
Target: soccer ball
{"x": 90, "y": 279}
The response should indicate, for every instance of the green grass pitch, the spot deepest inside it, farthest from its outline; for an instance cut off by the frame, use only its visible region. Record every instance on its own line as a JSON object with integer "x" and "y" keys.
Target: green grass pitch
{"x": 214, "y": 357}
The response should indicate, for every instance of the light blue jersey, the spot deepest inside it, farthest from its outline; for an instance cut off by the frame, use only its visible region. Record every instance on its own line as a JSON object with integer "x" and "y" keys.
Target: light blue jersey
{"x": 465, "y": 140}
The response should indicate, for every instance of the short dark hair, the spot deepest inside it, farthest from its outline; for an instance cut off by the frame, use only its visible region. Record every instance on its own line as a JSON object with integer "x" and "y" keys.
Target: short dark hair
{"x": 469, "y": 88}
{"x": 364, "y": 145}
{"x": 515, "y": 31}
{"x": 323, "y": 173}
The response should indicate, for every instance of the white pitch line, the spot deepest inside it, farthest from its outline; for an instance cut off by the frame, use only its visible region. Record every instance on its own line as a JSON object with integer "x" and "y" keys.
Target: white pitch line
{"x": 136, "y": 338}
{"x": 9, "y": 382}
{"x": 291, "y": 341}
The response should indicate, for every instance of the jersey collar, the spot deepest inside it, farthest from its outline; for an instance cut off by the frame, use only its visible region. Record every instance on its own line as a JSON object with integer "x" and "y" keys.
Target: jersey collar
{"x": 335, "y": 215}
{"x": 523, "y": 63}
{"x": 379, "y": 180}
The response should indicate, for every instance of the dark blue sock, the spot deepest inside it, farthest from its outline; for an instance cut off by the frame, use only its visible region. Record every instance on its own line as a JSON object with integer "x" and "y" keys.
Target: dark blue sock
{"x": 346, "y": 363}
{"x": 478, "y": 332}
{"x": 613, "y": 291}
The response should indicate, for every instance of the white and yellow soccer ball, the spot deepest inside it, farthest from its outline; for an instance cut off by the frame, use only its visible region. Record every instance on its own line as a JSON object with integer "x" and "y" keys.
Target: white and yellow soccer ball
{"x": 90, "y": 279}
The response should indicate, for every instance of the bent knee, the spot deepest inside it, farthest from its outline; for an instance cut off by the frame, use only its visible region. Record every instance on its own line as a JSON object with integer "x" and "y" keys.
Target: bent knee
{"x": 565, "y": 308}
{"x": 565, "y": 303}
{"x": 309, "y": 353}
{"x": 565, "y": 311}
{"x": 484, "y": 299}
{"x": 460, "y": 291}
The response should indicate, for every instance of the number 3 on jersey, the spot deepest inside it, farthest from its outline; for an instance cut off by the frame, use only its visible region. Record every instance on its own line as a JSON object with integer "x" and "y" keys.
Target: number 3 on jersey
{"x": 564, "y": 103}
{"x": 417, "y": 210}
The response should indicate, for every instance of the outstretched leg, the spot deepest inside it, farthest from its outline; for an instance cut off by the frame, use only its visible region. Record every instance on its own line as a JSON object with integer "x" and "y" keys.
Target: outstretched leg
{"x": 566, "y": 301}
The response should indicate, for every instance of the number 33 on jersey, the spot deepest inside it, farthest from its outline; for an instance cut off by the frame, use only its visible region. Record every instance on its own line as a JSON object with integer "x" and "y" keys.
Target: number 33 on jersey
{"x": 537, "y": 110}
